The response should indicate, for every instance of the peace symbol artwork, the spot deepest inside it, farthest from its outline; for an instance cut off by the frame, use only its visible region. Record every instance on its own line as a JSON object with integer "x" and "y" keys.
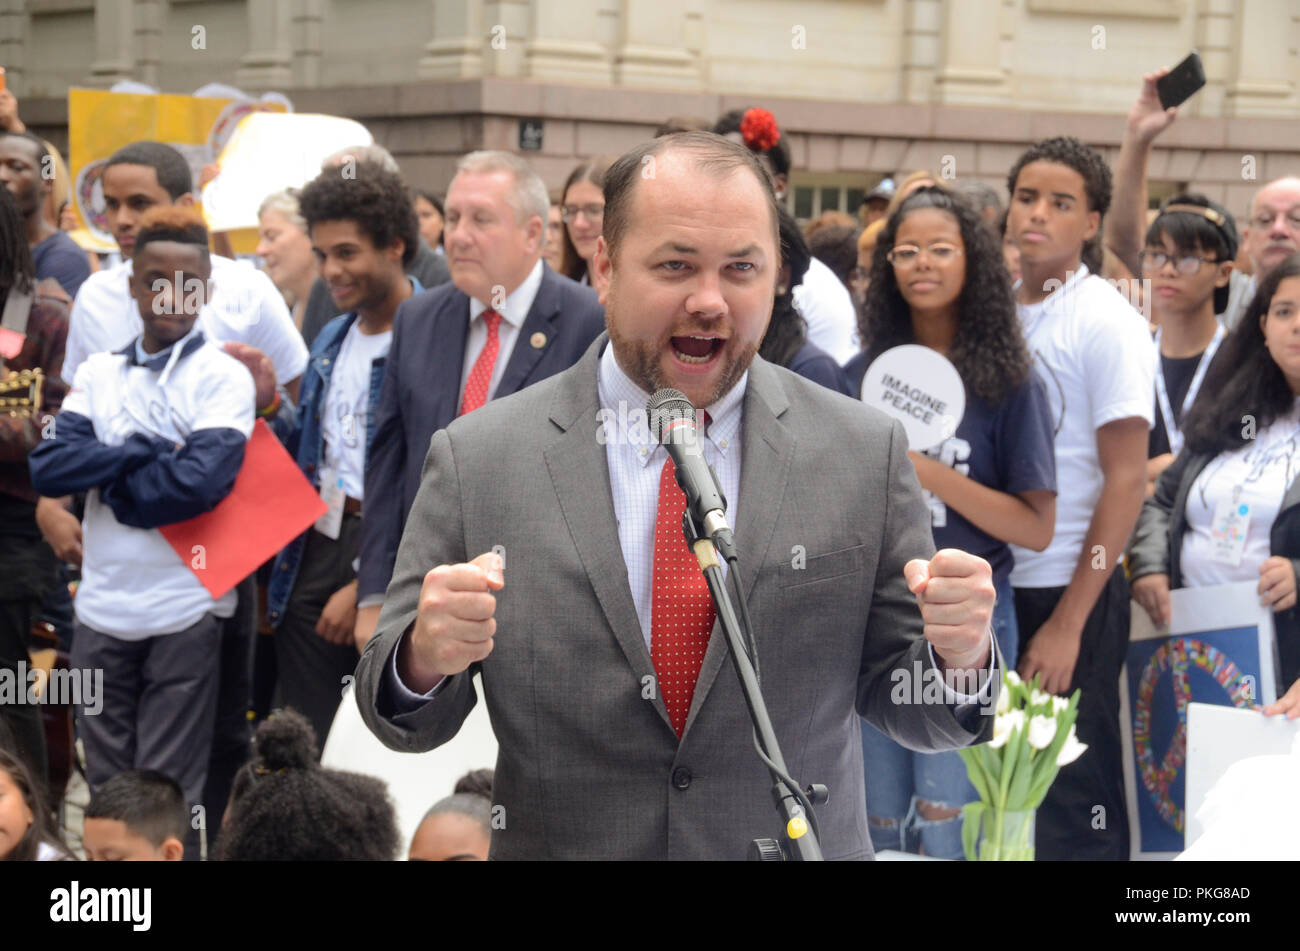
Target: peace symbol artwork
{"x": 1218, "y": 650}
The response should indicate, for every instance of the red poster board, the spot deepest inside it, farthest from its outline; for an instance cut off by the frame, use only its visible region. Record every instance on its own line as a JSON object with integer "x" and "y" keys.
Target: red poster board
{"x": 271, "y": 504}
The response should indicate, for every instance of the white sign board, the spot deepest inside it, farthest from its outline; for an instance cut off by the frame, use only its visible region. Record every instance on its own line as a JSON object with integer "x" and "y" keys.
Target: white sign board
{"x": 921, "y": 389}
{"x": 268, "y": 152}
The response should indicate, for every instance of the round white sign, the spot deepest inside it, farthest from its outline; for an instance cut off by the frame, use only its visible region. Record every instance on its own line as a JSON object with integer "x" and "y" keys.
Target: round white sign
{"x": 921, "y": 389}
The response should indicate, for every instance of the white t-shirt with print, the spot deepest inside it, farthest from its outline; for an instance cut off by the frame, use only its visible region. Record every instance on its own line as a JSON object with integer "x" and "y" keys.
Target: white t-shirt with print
{"x": 1257, "y": 475}
{"x": 1094, "y": 351}
{"x": 346, "y": 409}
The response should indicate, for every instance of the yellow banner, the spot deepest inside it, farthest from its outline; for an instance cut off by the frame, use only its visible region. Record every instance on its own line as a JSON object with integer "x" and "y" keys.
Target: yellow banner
{"x": 100, "y": 123}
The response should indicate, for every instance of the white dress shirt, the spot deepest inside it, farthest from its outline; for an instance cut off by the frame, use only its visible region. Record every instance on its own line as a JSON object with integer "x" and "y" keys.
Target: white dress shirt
{"x": 513, "y": 314}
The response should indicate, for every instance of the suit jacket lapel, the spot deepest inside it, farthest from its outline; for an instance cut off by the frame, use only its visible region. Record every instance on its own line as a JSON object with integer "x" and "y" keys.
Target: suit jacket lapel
{"x": 580, "y": 473}
{"x": 767, "y": 449}
{"x": 524, "y": 357}
{"x": 448, "y": 336}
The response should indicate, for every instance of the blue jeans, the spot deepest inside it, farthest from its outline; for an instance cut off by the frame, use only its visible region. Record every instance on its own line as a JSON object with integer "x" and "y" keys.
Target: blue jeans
{"x": 898, "y": 779}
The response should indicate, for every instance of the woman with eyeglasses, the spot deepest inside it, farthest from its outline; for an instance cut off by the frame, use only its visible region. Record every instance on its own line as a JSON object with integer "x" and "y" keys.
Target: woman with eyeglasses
{"x": 1228, "y": 508}
{"x": 582, "y": 209}
{"x": 938, "y": 280}
{"x": 1186, "y": 263}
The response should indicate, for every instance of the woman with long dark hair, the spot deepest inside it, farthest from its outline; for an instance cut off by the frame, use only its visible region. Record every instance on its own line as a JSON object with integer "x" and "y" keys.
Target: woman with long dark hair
{"x": 786, "y": 342}
{"x": 938, "y": 280}
{"x": 1228, "y": 508}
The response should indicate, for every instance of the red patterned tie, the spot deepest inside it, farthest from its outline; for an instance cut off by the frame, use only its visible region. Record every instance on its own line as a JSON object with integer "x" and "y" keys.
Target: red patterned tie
{"x": 681, "y": 614}
{"x": 480, "y": 375}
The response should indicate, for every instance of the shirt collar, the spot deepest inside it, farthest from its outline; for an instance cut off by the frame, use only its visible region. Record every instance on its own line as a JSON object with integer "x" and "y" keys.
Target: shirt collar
{"x": 518, "y": 303}
{"x": 624, "y": 404}
{"x": 136, "y": 357}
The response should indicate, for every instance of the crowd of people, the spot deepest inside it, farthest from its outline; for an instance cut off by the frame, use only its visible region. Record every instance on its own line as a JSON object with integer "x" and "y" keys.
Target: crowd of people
{"x": 1109, "y": 436}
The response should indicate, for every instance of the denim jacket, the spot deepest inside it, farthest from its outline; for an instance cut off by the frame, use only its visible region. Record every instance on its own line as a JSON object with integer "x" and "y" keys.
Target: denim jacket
{"x": 307, "y": 444}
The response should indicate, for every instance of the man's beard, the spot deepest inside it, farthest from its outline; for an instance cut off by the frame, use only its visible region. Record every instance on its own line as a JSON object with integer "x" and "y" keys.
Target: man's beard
{"x": 640, "y": 361}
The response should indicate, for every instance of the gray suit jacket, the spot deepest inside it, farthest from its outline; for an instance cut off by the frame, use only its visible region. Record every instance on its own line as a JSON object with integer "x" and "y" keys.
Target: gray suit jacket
{"x": 589, "y": 766}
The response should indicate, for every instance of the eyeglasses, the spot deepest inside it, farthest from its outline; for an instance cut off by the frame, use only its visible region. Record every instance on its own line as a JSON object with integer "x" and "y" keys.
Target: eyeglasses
{"x": 906, "y": 255}
{"x": 595, "y": 213}
{"x": 1185, "y": 264}
{"x": 1265, "y": 219}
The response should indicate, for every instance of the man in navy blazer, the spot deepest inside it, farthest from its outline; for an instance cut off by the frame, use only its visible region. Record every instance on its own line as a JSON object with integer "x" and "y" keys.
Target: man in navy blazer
{"x": 503, "y": 322}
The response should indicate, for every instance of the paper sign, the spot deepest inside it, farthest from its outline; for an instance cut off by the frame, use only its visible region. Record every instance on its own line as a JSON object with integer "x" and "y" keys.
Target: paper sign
{"x": 271, "y": 504}
{"x": 100, "y": 123}
{"x": 921, "y": 389}
{"x": 1217, "y": 738}
{"x": 268, "y": 152}
{"x": 1218, "y": 650}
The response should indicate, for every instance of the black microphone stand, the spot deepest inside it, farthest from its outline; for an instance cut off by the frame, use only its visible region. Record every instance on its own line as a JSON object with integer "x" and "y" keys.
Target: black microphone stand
{"x": 799, "y": 839}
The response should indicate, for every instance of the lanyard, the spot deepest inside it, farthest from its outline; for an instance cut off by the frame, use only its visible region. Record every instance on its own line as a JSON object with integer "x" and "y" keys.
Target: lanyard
{"x": 1162, "y": 395}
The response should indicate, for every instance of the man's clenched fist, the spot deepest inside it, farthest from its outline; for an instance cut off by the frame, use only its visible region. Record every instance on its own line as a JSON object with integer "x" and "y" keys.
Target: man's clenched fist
{"x": 454, "y": 623}
{"x": 955, "y": 592}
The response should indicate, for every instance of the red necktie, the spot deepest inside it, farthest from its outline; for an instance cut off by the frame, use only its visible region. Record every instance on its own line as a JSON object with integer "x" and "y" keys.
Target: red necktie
{"x": 681, "y": 614}
{"x": 480, "y": 375}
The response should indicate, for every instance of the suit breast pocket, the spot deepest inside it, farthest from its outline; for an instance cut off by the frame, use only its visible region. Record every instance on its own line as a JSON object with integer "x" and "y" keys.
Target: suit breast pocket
{"x": 803, "y": 569}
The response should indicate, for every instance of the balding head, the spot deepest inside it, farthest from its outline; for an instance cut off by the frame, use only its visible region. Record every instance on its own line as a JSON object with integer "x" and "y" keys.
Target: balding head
{"x": 1273, "y": 233}
{"x": 709, "y": 154}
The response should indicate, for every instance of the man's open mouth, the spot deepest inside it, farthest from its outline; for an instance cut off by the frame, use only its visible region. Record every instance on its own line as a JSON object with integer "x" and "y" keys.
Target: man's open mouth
{"x": 693, "y": 349}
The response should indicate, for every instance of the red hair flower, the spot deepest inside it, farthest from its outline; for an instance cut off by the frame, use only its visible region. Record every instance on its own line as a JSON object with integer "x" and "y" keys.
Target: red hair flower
{"x": 759, "y": 130}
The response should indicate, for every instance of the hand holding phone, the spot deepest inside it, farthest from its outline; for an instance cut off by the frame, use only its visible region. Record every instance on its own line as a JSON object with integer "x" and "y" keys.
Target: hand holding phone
{"x": 1181, "y": 82}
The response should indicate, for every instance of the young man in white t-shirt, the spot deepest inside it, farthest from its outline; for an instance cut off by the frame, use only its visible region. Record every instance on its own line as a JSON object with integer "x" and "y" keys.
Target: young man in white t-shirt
{"x": 154, "y": 434}
{"x": 364, "y": 231}
{"x": 1094, "y": 352}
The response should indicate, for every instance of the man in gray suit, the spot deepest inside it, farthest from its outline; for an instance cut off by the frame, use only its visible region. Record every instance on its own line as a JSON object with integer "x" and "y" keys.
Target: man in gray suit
{"x": 620, "y": 734}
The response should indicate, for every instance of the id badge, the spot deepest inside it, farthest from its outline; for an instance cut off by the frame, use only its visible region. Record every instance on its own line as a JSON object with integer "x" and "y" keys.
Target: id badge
{"x": 1229, "y": 528}
{"x": 332, "y": 494}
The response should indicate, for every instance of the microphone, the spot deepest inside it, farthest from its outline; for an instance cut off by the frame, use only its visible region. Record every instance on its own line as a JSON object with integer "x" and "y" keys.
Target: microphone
{"x": 672, "y": 420}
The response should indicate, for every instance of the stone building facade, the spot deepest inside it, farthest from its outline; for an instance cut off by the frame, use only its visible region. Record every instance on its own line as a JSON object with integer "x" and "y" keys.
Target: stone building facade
{"x": 863, "y": 88}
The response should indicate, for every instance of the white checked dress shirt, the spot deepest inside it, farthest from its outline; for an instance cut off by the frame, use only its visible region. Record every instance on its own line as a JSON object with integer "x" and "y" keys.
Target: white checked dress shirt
{"x": 635, "y": 462}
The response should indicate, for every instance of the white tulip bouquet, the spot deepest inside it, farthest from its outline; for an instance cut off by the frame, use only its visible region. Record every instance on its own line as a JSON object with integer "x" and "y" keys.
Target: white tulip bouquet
{"x": 1033, "y": 737}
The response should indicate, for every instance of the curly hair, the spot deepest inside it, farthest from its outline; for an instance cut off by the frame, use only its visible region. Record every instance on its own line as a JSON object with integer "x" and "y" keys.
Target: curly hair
{"x": 377, "y": 200}
{"x": 1088, "y": 162}
{"x": 787, "y": 331}
{"x": 989, "y": 350}
{"x": 1244, "y": 378}
{"x": 284, "y": 806}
